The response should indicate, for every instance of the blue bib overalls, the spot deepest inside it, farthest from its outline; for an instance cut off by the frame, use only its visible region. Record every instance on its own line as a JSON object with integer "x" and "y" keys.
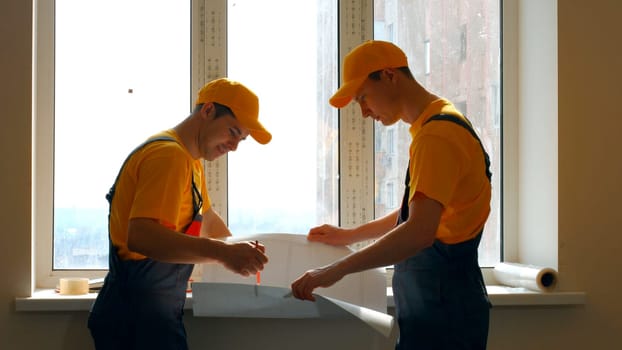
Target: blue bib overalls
{"x": 140, "y": 305}
{"x": 440, "y": 296}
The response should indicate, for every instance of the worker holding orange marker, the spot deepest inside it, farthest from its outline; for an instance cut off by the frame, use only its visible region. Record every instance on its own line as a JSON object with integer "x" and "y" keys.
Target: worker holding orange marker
{"x": 161, "y": 223}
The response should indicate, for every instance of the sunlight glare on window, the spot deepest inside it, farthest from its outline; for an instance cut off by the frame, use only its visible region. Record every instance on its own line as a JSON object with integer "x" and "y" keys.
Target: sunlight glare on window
{"x": 121, "y": 75}
{"x": 286, "y": 52}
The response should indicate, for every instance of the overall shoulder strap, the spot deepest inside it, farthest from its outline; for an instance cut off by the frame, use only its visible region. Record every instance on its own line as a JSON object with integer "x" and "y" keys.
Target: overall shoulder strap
{"x": 110, "y": 193}
{"x": 467, "y": 125}
{"x": 442, "y": 117}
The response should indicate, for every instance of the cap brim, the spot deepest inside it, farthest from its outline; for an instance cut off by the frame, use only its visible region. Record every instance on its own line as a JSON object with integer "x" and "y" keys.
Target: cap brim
{"x": 346, "y": 93}
{"x": 261, "y": 136}
{"x": 258, "y": 132}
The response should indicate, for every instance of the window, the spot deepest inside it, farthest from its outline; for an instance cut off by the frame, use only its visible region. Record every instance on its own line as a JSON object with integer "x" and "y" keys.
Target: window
{"x": 426, "y": 57}
{"x": 336, "y": 182}
{"x": 463, "y": 42}
{"x": 391, "y": 143}
{"x": 115, "y": 85}
{"x": 294, "y": 181}
{"x": 391, "y": 193}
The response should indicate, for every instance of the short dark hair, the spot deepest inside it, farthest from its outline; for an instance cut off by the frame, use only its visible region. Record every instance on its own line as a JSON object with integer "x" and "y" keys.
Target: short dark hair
{"x": 376, "y": 75}
{"x": 221, "y": 110}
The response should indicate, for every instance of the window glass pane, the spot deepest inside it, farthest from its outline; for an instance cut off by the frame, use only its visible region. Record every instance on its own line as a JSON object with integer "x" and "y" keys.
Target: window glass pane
{"x": 121, "y": 74}
{"x": 454, "y": 51}
{"x": 285, "y": 51}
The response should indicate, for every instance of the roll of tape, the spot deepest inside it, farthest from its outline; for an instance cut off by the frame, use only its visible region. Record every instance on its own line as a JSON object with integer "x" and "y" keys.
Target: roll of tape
{"x": 74, "y": 286}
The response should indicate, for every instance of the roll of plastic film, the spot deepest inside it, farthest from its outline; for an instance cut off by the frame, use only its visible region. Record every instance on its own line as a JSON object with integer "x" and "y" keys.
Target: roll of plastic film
{"x": 74, "y": 286}
{"x": 537, "y": 278}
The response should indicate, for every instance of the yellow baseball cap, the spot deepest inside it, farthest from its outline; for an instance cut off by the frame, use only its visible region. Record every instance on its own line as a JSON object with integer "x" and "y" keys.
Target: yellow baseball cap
{"x": 368, "y": 57}
{"x": 241, "y": 100}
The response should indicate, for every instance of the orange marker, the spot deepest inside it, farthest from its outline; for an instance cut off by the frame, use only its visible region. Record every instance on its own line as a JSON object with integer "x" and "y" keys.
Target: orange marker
{"x": 258, "y": 274}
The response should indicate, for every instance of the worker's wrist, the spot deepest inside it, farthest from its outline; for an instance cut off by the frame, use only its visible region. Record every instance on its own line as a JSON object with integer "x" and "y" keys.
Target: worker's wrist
{"x": 213, "y": 248}
{"x": 350, "y": 235}
{"x": 342, "y": 267}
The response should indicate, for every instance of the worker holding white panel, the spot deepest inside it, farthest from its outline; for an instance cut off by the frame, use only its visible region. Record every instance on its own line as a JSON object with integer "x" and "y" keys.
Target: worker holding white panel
{"x": 440, "y": 297}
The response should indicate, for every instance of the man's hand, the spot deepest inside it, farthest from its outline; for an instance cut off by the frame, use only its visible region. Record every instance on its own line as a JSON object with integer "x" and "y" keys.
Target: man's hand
{"x": 331, "y": 235}
{"x": 326, "y": 276}
{"x": 245, "y": 258}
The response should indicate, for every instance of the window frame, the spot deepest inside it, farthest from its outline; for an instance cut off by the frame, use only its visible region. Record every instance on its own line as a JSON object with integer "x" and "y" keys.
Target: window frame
{"x": 356, "y": 185}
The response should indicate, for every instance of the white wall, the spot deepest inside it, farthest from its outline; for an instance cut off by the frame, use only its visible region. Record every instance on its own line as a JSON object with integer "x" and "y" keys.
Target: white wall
{"x": 589, "y": 219}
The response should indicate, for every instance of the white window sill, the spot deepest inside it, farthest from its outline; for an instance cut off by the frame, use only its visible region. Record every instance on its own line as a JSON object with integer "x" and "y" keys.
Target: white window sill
{"x": 509, "y": 296}
{"x": 49, "y": 300}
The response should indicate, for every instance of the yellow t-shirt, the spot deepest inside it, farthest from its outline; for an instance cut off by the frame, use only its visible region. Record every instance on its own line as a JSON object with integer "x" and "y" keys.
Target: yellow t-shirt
{"x": 156, "y": 183}
{"x": 447, "y": 165}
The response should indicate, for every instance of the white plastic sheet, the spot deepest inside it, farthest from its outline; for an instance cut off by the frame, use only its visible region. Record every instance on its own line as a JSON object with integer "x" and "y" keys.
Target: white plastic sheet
{"x": 291, "y": 255}
{"x": 248, "y": 301}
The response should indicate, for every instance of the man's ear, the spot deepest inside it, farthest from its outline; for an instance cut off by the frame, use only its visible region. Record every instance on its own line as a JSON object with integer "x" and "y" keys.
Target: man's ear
{"x": 208, "y": 109}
